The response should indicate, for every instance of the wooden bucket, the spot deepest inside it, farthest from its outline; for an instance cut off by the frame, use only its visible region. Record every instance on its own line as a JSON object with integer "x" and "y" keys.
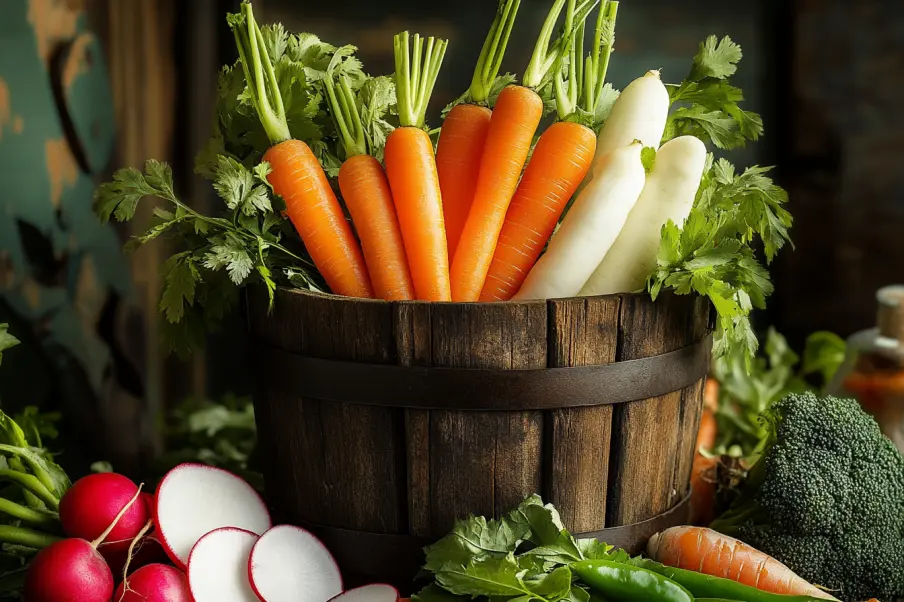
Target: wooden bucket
{"x": 381, "y": 423}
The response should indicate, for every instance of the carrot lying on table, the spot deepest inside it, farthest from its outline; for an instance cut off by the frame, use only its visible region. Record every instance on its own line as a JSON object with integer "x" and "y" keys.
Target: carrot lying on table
{"x": 711, "y": 553}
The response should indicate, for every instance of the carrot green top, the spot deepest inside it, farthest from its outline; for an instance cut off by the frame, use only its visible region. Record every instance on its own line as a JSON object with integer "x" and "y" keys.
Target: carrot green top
{"x": 416, "y": 74}
{"x": 549, "y": 53}
{"x": 259, "y": 74}
{"x": 490, "y": 60}
{"x": 344, "y": 107}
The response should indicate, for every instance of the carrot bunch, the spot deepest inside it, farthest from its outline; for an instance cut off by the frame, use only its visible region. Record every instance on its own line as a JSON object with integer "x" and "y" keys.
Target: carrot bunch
{"x": 468, "y": 222}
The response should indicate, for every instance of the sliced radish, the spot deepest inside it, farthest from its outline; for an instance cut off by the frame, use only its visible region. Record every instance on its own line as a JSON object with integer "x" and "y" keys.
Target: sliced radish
{"x": 193, "y": 500}
{"x": 218, "y": 567}
{"x": 377, "y": 592}
{"x": 288, "y": 564}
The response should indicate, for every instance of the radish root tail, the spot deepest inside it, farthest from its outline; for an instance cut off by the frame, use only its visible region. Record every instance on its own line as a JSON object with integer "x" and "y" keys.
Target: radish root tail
{"x": 122, "y": 513}
{"x": 125, "y": 570}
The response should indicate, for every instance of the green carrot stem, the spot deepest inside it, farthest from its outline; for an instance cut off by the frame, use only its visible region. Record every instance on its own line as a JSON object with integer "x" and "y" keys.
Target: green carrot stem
{"x": 597, "y": 64}
{"x": 344, "y": 107}
{"x": 490, "y": 60}
{"x": 259, "y": 74}
{"x": 567, "y": 89}
{"x": 33, "y": 517}
{"x": 32, "y": 484}
{"x": 549, "y": 53}
{"x": 20, "y": 536}
{"x": 414, "y": 82}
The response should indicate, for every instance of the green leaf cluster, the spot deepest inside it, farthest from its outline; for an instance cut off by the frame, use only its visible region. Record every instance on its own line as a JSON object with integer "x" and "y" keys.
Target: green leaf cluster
{"x": 523, "y": 556}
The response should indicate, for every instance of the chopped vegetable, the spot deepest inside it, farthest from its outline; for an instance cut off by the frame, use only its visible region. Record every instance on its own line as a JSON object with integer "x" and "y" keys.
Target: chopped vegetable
{"x": 589, "y": 228}
{"x": 376, "y": 592}
{"x": 218, "y": 566}
{"x": 296, "y": 174}
{"x": 189, "y": 503}
{"x": 411, "y": 168}
{"x": 668, "y": 195}
{"x": 366, "y": 193}
{"x": 710, "y": 553}
{"x": 825, "y": 498}
{"x": 515, "y": 119}
{"x": 466, "y": 125}
{"x": 274, "y": 562}
{"x": 559, "y": 163}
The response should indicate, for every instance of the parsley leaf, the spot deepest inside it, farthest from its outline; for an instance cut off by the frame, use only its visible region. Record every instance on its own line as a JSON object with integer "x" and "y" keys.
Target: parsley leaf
{"x": 236, "y": 186}
{"x": 7, "y": 340}
{"x": 716, "y": 58}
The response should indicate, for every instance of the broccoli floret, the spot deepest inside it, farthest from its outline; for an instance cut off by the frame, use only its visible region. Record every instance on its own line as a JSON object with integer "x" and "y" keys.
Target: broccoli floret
{"x": 826, "y": 498}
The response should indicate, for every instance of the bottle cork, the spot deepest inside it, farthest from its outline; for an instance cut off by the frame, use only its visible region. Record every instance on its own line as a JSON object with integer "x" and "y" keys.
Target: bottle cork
{"x": 890, "y": 319}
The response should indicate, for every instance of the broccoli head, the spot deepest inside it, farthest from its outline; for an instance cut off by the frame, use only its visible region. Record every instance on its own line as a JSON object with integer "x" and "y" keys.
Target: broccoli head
{"x": 826, "y": 498}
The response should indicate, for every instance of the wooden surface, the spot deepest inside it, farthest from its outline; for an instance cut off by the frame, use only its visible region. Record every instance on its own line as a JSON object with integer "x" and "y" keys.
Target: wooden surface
{"x": 392, "y": 470}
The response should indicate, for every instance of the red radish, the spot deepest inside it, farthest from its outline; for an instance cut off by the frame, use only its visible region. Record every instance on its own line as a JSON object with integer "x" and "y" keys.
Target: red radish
{"x": 377, "y": 592}
{"x": 288, "y": 564}
{"x": 92, "y": 503}
{"x": 154, "y": 583}
{"x": 193, "y": 500}
{"x": 72, "y": 570}
{"x": 218, "y": 567}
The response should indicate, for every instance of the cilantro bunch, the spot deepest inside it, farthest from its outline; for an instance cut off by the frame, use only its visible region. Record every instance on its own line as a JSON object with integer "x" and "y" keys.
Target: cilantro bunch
{"x": 713, "y": 254}
{"x": 522, "y": 556}
{"x": 249, "y": 240}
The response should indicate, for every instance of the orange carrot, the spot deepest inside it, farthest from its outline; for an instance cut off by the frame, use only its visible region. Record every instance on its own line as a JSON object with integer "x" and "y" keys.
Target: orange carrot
{"x": 703, "y": 485}
{"x": 711, "y": 394}
{"x": 711, "y": 553}
{"x": 296, "y": 174}
{"x": 411, "y": 169}
{"x": 560, "y": 162}
{"x": 366, "y": 192}
{"x": 706, "y": 434}
{"x": 465, "y": 128}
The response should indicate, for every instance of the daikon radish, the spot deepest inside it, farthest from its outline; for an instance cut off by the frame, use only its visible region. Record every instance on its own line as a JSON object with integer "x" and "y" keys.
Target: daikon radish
{"x": 639, "y": 114}
{"x": 668, "y": 194}
{"x": 589, "y": 229}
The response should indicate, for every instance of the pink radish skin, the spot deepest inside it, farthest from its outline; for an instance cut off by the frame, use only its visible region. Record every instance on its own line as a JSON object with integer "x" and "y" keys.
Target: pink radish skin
{"x": 155, "y": 583}
{"x": 68, "y": 571}
{"x": 92, "y": 503}
{"x": 218, "y": 567}
{"x": 289, "y": 564}
{"x": 147, "y": 551}
{"x": 376, "y": 592}
{"x": 194, "y": 499}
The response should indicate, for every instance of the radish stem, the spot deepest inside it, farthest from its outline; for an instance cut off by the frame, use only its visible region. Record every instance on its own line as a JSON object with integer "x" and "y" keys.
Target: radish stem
{"x": 490, "y": 60}
{"x": 20, "y": 536}
{"x": 122, "y": 513}
{"x": 32, "y": 484}
{"x": 34, "y": 517}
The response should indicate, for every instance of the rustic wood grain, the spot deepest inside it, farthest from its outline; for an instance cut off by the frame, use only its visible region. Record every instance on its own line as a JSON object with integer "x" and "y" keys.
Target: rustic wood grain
{"x": 471, "y": 462}
{"x": 362, "y": 475}
{"x": 646, "y": 434}
{"x": 582, "y": 332}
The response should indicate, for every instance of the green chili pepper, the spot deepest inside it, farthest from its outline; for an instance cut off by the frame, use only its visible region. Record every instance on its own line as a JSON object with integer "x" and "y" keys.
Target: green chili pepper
{"x": 708, "y": 587}
{"x": 627, "y": 583}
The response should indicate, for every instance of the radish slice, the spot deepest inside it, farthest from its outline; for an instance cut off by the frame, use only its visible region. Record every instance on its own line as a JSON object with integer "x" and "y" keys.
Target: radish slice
{"x": 218, "y": 567}
{"x": 193, "y": 500}
{"x": 289, "y": 564}
{"x": 377, "y": 592}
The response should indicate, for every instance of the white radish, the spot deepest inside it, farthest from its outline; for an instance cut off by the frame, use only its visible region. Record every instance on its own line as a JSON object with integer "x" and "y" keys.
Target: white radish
{"x": 377, "y": 592}
{"x": 193, "y": 500}
{"x": 589, "y": 229}
{"x": 639, "y": 113}
{"x": 668, "y": 194}
{"x": 218, "y": 567}
{"x": 288, "y": 564}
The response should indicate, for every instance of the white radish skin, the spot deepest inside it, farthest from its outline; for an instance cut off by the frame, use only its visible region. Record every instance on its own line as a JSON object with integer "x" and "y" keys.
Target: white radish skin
{"x": 218, "y": 567}
{"x": 289, "y": 564}
{"x": 589, "y": 229}
{"x": 377, "y": 592}
{"x": 668, "y": 194}
{"x": 193, "y": 500}
{"x": 639, "y": 113}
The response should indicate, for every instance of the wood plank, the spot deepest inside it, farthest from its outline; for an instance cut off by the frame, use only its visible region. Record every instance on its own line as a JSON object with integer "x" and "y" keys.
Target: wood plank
{"x": 582, "y": 332}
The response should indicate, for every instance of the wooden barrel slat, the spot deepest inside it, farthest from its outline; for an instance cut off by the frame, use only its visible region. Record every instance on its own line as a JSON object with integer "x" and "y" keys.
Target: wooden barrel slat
{"x": 582, "y": 332}
{"x": 377, "y": 469}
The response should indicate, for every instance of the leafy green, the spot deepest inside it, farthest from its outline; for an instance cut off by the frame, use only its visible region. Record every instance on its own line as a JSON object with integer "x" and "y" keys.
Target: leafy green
{"x": 710, "y": 108}
{"x": 246, "y": 246}
{"x": 7, "y": 340}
